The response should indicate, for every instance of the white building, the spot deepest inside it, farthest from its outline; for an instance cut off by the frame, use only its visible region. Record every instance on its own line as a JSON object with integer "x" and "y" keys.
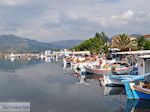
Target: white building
{"x": 48, "y": 52}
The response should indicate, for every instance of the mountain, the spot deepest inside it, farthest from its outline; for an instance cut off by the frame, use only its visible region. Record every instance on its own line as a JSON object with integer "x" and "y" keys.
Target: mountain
{"x": 12, "y": 43}
{"x": 135, "y": 35}
{"x": 67, "y": 43}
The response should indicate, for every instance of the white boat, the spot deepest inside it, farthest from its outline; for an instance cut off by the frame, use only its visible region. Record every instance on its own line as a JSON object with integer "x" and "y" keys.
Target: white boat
{"x": 79, "y": 67}
{"x": 107, "y": 70}
{"x": 115, "y": 80}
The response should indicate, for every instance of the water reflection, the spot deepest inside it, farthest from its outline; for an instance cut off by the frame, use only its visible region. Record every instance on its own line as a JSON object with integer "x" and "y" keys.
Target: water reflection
{"x": 114, "y": 90}
{"x": 138, "y": 106}
{"x": 9, "y": 65}
{"x": 48, "y": 59}
{"x": 50, "y": 90}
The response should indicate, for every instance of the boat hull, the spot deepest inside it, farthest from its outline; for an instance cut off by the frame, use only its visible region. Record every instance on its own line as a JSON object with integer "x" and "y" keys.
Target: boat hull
{"x": 136, "y": 92}
{"x": 111, "y": 81}
{"x": 106, "y": 71}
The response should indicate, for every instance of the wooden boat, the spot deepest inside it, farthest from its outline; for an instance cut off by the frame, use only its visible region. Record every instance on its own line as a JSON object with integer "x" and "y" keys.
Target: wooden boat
{"x": 79, "y": 67}
{"x": 115, "y": 80}
{"x": 107, "y": 70}
{"x": 135, "y": 89}
{"x": 140, "y": 90}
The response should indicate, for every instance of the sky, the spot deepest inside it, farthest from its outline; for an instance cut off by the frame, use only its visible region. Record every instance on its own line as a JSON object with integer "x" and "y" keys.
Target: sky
{"x": 53, "y": 20}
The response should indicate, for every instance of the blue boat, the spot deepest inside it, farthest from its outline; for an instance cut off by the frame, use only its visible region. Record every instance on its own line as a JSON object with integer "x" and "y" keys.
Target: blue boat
{"x": 116, "y": 80}
{"x": 137, "y": 89}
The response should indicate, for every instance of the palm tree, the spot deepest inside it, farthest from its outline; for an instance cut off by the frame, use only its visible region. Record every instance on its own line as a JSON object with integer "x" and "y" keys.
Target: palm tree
{"x": 140, "y": 42}
{"x": 123, "y": 43}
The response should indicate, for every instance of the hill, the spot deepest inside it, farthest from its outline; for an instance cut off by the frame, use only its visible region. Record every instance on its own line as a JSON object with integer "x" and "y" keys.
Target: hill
{"x": 135, "y": 35}
{"x": 12, "y": 43}
{"x": 66, "y": 43}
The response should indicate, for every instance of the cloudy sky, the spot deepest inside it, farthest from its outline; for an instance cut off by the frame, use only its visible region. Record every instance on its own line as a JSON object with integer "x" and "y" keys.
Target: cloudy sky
{"x": 51, "y": 20}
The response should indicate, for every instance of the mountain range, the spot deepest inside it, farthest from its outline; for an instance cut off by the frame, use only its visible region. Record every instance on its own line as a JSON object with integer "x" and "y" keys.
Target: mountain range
{"x": 12, "y": 43}
{"x": 15, "y": 44}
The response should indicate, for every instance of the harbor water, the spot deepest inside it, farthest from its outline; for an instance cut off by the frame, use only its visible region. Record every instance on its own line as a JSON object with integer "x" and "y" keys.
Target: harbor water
{"x": 51, "y": 88}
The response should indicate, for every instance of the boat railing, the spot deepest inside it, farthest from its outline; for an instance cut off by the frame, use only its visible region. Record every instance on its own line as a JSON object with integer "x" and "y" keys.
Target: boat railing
{"x": 139, "y": 77}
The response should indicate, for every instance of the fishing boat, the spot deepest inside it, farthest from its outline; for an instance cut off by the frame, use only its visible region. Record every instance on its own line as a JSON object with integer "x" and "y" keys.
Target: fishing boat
{"x": 79, "y": 66}
{"x": 139, "y": 86}
{"x": 115, "y": 80}
{"x": 108, "y": 70}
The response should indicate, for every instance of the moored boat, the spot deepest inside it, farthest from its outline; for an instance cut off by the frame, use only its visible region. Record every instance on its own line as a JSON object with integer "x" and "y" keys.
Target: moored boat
{"x": 138, "y": 91}
{"x": 107, "y": 70}
{"x": 135, "y": 88}
{"x": 115, "y": 80}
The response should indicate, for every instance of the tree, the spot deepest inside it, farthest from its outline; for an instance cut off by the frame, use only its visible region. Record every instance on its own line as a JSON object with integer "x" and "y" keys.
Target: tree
{"x": 123, "y": 42}
{"x": 147, "y": 45}
{"x": 102, "y": 36}
{"x": 106, "y": 49}
{"x": 140, "y": 42}
{"x": 93, "y": 44}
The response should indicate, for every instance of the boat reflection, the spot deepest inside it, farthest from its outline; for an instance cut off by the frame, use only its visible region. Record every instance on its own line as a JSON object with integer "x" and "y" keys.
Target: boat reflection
{"x": 138, "y": 106}
{"x": 48, "y": 59}
{"x": 66, "y": 67}
{"x": 86, "y": 79}
{"x": 113, "y": 90}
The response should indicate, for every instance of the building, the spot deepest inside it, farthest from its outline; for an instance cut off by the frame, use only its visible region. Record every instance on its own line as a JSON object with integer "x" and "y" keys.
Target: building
{"x": 48, "y": 52}
{"x": 115, "y": 38}
{"x": 147, "y": 37}
{"x": 131, "y": 37}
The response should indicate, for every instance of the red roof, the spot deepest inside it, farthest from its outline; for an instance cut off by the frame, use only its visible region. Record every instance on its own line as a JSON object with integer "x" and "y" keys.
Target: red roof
{"x": 146, "y": 36}
{"x": 119, "y": 37}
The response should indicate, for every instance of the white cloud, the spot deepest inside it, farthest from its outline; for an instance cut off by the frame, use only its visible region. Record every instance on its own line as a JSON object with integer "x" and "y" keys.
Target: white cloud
{"x": 128, "y": 14}
{"x": 148, "y": 14}
{"x": 72, "y": 15}
{"x": 72, "y": 19}
{"x": 12, "y": 2}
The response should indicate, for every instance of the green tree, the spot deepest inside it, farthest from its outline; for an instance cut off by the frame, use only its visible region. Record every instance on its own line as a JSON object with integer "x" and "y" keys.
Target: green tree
{"x": 102, "y": 36}
{"x": 140, "y": 42}
{"x": 106, "y": 49}
{"x": 147, "y": 45}
{"x": 93, "y": 44}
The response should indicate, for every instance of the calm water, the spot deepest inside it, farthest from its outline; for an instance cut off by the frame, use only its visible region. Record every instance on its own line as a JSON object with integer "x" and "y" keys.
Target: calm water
{"x": 50, "y": 90}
